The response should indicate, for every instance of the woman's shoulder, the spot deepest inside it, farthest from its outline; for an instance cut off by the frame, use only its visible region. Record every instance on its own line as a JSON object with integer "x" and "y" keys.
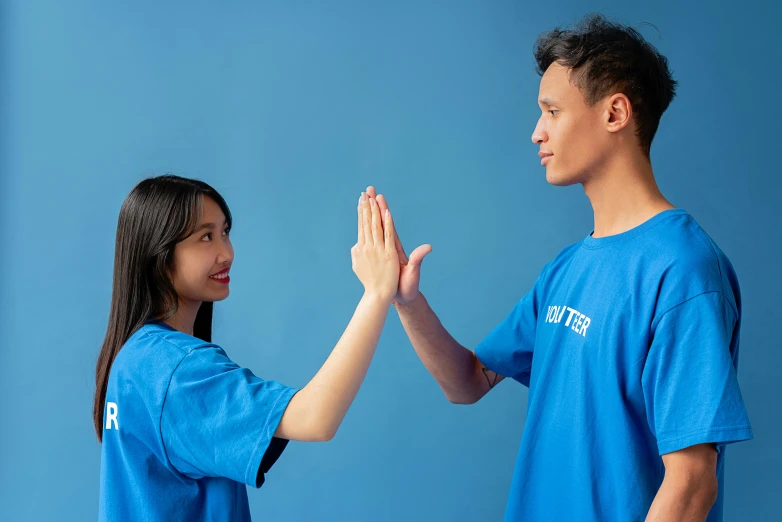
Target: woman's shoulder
{"x": 159, "y": 332}
{"x": 156, "y": 347}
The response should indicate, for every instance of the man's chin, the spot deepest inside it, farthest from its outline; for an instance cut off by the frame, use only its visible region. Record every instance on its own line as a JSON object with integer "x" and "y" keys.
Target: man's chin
{"x": 558, "y": 180}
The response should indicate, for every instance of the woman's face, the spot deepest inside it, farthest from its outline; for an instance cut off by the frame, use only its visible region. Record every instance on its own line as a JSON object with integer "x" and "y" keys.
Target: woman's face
{"x": 202, "y": 259}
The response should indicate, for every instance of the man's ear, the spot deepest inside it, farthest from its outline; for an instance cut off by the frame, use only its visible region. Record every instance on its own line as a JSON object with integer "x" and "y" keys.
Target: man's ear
{"x": 618, "y": 112}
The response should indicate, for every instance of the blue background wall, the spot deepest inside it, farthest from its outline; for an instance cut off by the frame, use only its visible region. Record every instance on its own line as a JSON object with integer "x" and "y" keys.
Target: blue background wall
{"x": 290, "y": 109}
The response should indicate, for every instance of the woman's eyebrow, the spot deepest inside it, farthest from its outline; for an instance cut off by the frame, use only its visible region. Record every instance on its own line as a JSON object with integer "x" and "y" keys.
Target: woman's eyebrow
{"x": 207, "y": 225}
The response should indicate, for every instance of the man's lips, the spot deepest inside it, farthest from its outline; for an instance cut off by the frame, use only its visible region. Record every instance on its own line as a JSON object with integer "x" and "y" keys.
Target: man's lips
{"x": 545, "y": 157}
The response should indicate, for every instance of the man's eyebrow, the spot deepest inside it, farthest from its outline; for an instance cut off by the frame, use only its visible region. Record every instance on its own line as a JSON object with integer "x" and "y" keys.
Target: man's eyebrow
{"x": 546, "y": 101}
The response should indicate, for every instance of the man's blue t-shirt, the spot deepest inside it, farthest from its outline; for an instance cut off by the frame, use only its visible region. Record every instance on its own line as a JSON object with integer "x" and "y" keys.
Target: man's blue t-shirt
{"x": 629, "y": 345}
{"x": 185, "y": 429}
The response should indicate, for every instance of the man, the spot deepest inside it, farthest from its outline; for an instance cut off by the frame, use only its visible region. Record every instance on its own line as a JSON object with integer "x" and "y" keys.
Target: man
{"x": 628, "y": 340}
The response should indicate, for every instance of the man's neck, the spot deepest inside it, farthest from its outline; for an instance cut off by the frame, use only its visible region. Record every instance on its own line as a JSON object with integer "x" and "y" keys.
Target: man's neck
{"x": 624, "y": 195}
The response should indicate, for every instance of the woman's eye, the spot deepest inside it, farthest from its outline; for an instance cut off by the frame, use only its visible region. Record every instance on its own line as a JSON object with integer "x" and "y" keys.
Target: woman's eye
{"x": 208, "y": 235}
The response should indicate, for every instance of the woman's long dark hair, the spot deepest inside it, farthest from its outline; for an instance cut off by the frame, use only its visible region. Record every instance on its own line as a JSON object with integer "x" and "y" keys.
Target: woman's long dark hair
{"x": 157, "y": 214}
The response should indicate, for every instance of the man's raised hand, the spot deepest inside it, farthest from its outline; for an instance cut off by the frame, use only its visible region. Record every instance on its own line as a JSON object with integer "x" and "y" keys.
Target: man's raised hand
{"x": 410, "y": 267}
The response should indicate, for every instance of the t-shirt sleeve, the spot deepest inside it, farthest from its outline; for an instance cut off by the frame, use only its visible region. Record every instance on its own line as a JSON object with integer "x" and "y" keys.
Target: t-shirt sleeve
{"x": 689, "y": 379}
{"x": 507, "y": 350}
{"x": 219, "y": 419}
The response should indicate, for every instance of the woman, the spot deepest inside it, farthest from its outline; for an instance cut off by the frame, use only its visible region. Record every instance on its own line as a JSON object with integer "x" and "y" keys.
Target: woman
{"x": 183, "y": 428}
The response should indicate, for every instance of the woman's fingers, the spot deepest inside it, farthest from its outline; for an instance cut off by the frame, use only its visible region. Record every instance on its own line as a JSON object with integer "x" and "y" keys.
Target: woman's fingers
{"x": 400, "y": 251}
{"x": 360, "y": 220}
{"x": 377, "y": 226}
{"x": 383, "y": 205}
{"x": 366, "y": 216}
{"x": 373, "y": 194}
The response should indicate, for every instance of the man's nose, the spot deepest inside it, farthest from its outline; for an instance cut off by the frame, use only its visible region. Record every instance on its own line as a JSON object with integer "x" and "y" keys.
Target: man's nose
{"x": 538, "y": 135}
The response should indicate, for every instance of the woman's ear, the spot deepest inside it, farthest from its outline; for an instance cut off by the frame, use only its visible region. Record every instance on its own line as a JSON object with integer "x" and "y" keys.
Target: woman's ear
{"x": 618, "y": 111}
{"x": 169, "y": 263}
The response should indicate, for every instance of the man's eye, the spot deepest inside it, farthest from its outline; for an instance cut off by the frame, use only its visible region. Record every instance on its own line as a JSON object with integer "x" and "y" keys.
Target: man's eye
{"x": 553, "y": 112}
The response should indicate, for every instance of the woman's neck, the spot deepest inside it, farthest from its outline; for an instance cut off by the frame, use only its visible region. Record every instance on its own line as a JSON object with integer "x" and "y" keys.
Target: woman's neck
{"x": 184, "y": 319}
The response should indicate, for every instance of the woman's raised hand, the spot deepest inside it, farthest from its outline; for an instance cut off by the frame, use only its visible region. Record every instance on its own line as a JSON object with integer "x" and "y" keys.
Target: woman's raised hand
{"x": 375, "y": 258}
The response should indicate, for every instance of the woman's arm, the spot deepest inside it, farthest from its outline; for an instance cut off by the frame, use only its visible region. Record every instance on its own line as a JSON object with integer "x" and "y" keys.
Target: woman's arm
{"x": 317, "y": 410}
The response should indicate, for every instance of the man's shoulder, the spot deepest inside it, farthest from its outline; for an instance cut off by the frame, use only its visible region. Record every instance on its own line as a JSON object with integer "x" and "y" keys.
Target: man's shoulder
{"x": 690, "y": 252}
{"x": 562, "y": 257}
{"x": 690, "y": 263}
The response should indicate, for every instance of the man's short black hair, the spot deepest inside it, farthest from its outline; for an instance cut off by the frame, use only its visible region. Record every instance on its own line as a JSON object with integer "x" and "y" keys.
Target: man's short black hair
{"x": 606, "y": 58}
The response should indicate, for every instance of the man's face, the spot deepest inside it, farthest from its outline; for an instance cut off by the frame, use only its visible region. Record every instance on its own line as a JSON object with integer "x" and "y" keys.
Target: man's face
{"x": 572, "y": 136}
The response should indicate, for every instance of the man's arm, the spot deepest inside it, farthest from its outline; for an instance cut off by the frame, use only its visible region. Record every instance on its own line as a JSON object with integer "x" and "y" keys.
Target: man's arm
{"x": 457, "y": 370}
{"x": 689, "y": 488}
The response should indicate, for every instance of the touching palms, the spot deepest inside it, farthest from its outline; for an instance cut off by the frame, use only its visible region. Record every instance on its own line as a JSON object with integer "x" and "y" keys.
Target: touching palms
{"x": 410, "y": 268}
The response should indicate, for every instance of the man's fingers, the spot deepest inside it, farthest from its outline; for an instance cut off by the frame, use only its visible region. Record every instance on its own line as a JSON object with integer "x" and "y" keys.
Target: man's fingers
{"x": 388, "y": 231}
{"x": 417, "y": 256}
{"x": 400, "y": 252}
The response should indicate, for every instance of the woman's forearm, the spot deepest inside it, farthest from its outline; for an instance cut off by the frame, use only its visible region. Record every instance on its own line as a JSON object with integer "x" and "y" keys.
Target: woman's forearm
{"x": 317, "y": 410}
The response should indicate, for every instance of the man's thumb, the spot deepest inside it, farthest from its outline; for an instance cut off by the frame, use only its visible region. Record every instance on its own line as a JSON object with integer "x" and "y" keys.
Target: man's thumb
{"x": 417, "y": 255}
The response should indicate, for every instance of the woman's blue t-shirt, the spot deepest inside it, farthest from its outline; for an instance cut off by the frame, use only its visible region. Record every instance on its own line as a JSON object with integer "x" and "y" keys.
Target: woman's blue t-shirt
{"x": 185, "y": 428}
{"x": 629, "y": 345}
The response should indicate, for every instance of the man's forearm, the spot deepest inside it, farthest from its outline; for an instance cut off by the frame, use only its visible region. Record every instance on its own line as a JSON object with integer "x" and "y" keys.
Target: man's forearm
{"x": 683, "y": 500}
{"x": 450, "y": 363}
